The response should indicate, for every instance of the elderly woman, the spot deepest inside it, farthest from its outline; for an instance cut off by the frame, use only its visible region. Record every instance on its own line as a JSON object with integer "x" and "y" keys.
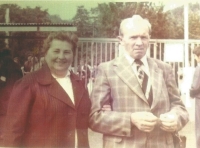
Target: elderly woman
{"x": 50, "y": 107}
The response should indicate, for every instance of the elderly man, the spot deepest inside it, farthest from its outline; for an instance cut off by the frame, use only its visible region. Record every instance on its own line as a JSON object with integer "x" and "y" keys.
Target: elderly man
{"x": 146, "y": 109}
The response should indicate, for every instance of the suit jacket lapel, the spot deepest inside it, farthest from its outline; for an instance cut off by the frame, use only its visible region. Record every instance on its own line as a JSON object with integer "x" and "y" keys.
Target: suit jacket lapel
{"x": 54, "y": 89}
{"x": 124, "y": 70}
{"x": 156, "y": 75}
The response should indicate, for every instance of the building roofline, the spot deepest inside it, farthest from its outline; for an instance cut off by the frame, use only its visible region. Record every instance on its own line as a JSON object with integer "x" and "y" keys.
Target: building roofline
{"x": 37, "y": 24}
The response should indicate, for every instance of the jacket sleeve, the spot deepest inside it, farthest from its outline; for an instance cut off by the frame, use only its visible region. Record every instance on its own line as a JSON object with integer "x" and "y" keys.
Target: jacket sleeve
{"x": 176, "y": 104}
{"x": 195, "y": 87}
{"x": 107, "y": 122}
{"x": 194, "y": 92}
{"x": 17, "y": 114}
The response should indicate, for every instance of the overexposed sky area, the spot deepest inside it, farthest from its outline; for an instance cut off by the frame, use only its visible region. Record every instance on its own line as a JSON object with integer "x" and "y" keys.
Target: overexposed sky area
{"x": 66, "y": 9}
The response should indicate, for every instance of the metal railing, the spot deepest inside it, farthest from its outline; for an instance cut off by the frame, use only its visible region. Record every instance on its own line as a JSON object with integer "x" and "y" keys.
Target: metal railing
{"x": 97, "y": 50}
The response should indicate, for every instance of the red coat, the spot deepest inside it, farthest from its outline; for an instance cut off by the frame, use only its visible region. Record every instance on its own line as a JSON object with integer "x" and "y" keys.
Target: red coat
{"x": 41, "y": 114}
{"x": 12, "y": 72}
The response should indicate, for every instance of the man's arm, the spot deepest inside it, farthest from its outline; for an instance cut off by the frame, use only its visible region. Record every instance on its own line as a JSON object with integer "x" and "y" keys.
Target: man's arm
{"x": 107, "y": 122}
{"x": 195, "y": 88}
{"x": 194, "y": 92}
{"x": 177, "y": 108}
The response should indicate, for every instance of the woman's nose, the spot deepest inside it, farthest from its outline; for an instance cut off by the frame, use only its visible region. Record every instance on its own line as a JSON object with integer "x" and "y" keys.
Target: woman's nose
{"x": 61, "y": 55}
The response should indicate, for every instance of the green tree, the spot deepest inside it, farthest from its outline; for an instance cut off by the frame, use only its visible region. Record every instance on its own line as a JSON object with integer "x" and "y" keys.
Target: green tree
{"x": 24, "y": 42}
{"x": 109, "y": 16}
{"x": 83, "y": 21}
{"x": 194, "y": 21}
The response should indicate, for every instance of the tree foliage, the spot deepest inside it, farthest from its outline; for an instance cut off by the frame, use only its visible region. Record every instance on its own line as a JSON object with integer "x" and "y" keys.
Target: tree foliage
{"x": 194, "y": 21}
{"x": 104, "y": 20}
{"x": 109, "y": 15}
{"x": 101, "y": 21}
{"x": 82, "y": 19}
{"x": 20, "y": 45}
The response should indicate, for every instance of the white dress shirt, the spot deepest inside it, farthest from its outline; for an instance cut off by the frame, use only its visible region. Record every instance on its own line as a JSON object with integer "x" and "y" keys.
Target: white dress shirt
{"x": 144, "y": 67}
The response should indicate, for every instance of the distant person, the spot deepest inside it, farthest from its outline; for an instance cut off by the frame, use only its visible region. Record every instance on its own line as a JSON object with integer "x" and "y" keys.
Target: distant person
{"x": 16, "y": 60}
{"x": 50, "y": 107}
{"x": 195, "y": 93}
{"x": 145, "y": 105}
{"x": 94, "y": 72}
{"x": 84, "y": 71}
{"x": 176, "y": 71}
{"x": 10, "y": 72}
{"x": 42, "y": 61}
{"x": 28, "y": 64}
{"x": 35, "y": 64}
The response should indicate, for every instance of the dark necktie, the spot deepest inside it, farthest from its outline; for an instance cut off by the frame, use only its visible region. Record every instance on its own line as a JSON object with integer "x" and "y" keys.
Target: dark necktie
{"x": 143, "y": 80}
{"x": 142, "y": 76}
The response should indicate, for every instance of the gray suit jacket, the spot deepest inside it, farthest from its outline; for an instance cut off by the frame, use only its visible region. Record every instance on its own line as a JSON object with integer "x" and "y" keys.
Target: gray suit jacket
{"x": 195, "y": 87}
{"x": 117, "y": 84}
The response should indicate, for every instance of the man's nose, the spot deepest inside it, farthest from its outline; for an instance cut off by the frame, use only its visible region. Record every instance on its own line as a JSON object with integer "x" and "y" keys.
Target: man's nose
{"x": 139, "y": 41}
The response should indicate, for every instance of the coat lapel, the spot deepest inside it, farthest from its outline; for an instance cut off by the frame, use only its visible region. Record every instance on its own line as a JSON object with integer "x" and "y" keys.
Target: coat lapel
{"x": 53, "y": 87}
{"x": 156, "y": 75}
{"x": 124, "y": 70}
{"x": 58, "y": 92}
{"x": 78, "y": 88}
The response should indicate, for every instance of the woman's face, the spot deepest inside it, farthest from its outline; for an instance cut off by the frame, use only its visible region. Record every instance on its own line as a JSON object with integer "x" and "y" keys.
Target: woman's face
{"x": 59, "y": 57}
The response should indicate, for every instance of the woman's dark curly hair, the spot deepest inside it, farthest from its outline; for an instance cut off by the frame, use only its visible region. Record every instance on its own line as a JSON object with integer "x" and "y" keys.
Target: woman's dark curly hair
{"x": 69, "y": 37}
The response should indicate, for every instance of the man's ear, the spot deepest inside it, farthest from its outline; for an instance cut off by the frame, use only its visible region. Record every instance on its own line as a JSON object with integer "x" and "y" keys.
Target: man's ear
{"x": 120, "y": 39}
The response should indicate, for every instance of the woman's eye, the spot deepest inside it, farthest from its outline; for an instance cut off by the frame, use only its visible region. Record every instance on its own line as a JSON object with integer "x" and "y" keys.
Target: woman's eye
{"x": 56, "y": 51}
{"x": 67, "y": 52}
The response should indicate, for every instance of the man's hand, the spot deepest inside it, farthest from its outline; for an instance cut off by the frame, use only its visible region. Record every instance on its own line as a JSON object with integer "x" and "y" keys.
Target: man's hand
{"x": 168, "y": 122}
{"x": 106, "y": 107}
{"x": 144, "y": 121}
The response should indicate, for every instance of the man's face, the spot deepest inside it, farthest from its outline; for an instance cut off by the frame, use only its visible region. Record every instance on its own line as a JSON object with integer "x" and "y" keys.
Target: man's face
{"x": 59, "y": 57}
{"x": 197, "y": 58}
{"x": 135, "y": 39}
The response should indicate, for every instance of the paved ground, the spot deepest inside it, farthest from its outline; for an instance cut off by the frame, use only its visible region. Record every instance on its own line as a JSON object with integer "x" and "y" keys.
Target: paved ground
{"x": 188, "y": 131}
